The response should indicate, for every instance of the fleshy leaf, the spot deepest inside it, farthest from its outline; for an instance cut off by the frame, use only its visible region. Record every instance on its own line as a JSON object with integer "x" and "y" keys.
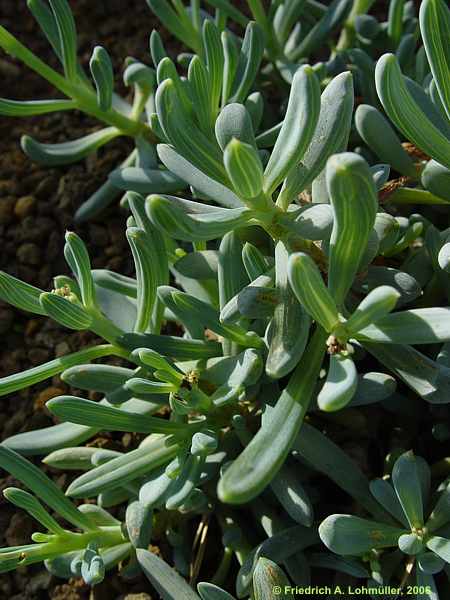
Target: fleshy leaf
{"x": 146, "y": 181}
{"x": 405, "y": 112}
{"x": 20, "y": 294}
{"x": 43, "y": 487}
{"x": 382, "y": 139}
{"x": 28, "y": 108}
{"x": 405, "y": 477}
{"x": 345, "y": 534}
{"x": 102, "y": 73}
{"x": 297, "y": 130}
{"x": 93, "y": 414}
{"x": 355, "y": 202}
{"x": 67, "y": 36}
{"x": 435, "y": 30}
{"x": 309, "y": 287}
{"x": 340, "y": 384}
{"x": 375, "y": 305}
{"x": 168, "y": 217}
{"x": 244, "y": 169}
{"x": 66, "y": 153}
{"x": 167, "y": 582}
{"x": 268, "y": 576}
{"x": 286, "y": 343}
{"x": 416, "y": 326}
{"x": 123, "y": 469}
{"x": 440, "y": 546}
{"x": 259, "y": 462}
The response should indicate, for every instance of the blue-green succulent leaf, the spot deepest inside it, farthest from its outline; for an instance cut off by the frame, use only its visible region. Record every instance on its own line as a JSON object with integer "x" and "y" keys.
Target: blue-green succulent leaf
{"x": 286, "y": 343}
{"x": 268, "y": 576}
{"x": 66, "y": 153}
{"x": 440, "y": 546}
{"x": 170, "y": 218}
{"x": 310, "y": 289}
{"x": 297, "y": 130}
{"x": 378, "y": 303}
{"x": 206, "y": 186}
{"x": 416, "y": 326}
{"x": 340, "y": 384}
{"x": 244, "y": 168}
{"x": 67, "y": 36}
{"x": 43, "y": 487}
{"x": 138, "y": 520}
{"x": 102, "y": 73}
{"x": 93, "y": 414}
{"x": 20, "y": 294}
{"x": 146, "y": 181}
{"x": 28, "y": 108}
{"x": 249, "y": 474}
{"x": 405, "y": 112}
{"x": 354, "y": 200}
{"x": 325, "y": 456}
{"x": 250, "y": 57}
{"x": 385, "y": 494}
{"x": 167, "y": 582}
{"x": 436, "y": 179}
{"x": 348, "y": 535}
{"x": 65, "y": 312}
{"x": 123, "y": 469}
{"x": 209, "y": 591}
{"x": 435, "y": 30}
{"x": 406, "y": 481}
{"x": 378, "y": 134}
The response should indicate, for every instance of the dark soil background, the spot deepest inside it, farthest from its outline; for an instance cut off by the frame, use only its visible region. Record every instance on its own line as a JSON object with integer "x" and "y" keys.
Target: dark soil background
{"x": 36, "y": 207}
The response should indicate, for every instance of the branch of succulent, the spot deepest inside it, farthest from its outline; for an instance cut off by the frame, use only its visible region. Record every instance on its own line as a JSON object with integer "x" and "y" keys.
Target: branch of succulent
{"x": 298, "y": 280}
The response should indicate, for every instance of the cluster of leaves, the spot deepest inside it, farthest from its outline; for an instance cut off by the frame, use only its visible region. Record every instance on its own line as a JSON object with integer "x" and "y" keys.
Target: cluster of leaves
{"x": 287, "y": 261}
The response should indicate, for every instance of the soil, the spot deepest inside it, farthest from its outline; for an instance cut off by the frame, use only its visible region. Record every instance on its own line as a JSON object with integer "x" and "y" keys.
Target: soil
{"x": 36, "y": 207}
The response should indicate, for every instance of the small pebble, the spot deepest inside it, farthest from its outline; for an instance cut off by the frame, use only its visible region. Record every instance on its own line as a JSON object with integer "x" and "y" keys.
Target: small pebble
{"x": 24, "y": 206}
{"x": 29, "y": 254}
{"x": 61, "y": 349}
{"x": 20, "y": 529}
{"x": 45, "y": 395}
{"x": 6, "y": 319}
{"x": 38, "y": 356}
{"x": 6, "y": 210}
{"x": 47, "y": 187}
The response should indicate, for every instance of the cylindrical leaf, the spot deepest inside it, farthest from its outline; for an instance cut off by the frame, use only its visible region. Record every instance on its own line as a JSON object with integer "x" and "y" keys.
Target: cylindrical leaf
{"x": 244, "y": 168}
{"x": 309, "y": 287}
{"x": 297, "y": 130}
{"x": 340, "y": 384}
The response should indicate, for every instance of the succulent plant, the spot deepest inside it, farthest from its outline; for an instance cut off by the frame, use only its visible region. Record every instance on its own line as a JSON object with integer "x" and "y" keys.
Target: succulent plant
{"x": 270, "y": 263}
{"x": 411, "y": 532}
{"x": 228, "y": 67}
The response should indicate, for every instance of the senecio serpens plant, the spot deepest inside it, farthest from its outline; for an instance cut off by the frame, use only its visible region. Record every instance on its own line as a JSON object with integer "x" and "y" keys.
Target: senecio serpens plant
{"x": 287, "y": 266}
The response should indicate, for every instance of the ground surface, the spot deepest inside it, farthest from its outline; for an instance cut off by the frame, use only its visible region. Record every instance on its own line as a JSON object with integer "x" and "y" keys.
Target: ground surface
{"x": 36, "y": 207}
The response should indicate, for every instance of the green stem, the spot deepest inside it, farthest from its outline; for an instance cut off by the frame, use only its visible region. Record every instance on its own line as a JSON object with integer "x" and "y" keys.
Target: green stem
{"x": 221, "y": 575}
{"x": 104, "y": 536}
{"x": 106, "y": 329}
{"x": 86, "y": 99}
{"x": 259, "y": 14}
{"x": 360, "y": 7}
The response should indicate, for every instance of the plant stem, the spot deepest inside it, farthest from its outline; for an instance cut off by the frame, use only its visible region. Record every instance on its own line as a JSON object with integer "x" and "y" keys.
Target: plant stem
{"x": 360, "y": 7}
{"x": 85, "y": 98}
{"x": 104, "y": 536}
